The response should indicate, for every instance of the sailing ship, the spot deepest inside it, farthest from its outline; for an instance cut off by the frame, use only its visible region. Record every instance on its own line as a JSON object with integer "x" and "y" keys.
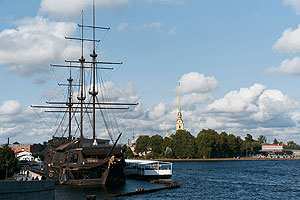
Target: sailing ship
{"x": 84, "y": 161}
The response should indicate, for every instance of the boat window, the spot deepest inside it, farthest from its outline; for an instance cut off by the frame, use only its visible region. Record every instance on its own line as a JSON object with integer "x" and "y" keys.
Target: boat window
{"x": 165, "y": 167}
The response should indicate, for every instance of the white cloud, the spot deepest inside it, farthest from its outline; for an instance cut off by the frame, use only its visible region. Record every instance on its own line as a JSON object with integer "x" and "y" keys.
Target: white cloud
{"x": 192, "y": 100}
{"x": 195, "y": 90}
{"x": 158, "y": 111}
{"x": 255, "y": 106}
{"x": 36, "y": 42}
{"x": 289, "y": 42}
{"x": 291, "y": 67}
{"x": 159, "y": 27}
{"x": 110, "y": 92}
{"x": 238, "y": 101}
{"x": 272, "y": 103}
{"x": 122, "y": 26}
{"x": 168, "y": 1}
{"x": 20, "y": 124}
{"x": 53, "y": 93}
{"x": 10, "y": 107}
{"x": 255, "y": 110}
{"x": 72, "y": 8}
{"x": 153, "y": 25}
{"x": 172, "y": 30}
{"x": 195, "y": 82}
{"x": 294, "y": 3}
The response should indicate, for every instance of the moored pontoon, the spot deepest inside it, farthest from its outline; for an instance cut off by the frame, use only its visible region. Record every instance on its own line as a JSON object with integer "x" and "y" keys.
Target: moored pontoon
{"x": 148, "y": 169}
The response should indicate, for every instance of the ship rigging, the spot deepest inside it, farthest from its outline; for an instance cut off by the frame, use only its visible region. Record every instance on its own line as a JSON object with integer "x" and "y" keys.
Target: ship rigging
{"x": 83, "y": 161}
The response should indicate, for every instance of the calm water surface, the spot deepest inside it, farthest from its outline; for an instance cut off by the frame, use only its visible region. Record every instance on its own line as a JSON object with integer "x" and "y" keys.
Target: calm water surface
{"x": 212, "y": 180}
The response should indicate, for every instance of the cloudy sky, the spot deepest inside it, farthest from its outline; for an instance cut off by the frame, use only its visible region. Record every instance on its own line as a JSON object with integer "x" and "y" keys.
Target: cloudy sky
{"x": 238, "y": 63}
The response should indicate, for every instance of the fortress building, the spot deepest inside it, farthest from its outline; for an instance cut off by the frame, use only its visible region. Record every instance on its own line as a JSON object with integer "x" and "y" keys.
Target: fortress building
{"x": 179, "y": 122}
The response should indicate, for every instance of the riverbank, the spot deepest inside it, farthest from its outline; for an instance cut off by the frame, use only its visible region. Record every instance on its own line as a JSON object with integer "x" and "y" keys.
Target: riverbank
{"x": 223, "y": 159}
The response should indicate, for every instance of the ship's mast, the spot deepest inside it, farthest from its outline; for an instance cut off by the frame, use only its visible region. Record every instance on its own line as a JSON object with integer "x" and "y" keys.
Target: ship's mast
{"x": 82, "y": 96}
{"x": 69, "y": 104}
{"x": 94, "y": 56}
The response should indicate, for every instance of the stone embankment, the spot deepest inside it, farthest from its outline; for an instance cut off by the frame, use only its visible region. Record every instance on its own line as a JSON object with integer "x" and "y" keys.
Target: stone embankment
{"x": 13, "y": 190}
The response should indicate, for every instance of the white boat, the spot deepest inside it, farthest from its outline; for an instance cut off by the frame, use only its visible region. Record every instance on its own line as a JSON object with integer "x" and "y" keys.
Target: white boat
{"x": 148, "y": 169}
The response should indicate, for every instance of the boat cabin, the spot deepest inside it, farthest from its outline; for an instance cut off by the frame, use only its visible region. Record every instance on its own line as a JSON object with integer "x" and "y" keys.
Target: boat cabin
{"x": 148, "y": 169}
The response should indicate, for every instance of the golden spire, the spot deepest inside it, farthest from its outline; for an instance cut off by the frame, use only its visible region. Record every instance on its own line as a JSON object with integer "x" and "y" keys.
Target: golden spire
{"x": 179, "y": 122}
{"x": 167, "y": 134}
{"x": 178, "y": 96}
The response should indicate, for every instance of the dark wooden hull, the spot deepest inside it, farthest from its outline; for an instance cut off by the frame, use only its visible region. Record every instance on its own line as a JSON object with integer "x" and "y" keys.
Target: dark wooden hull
{"x": 69, "y": 164}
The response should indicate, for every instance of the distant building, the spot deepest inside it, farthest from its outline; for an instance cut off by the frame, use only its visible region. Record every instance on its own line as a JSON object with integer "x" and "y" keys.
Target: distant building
{"x": 179, "y": 122}
{"x": 279, "y": 149}
{"x": 24, "y": 156}
{"x": 19, "y": 148}
{"x": 33, "y": 148}
{"x": 272, "y": 147}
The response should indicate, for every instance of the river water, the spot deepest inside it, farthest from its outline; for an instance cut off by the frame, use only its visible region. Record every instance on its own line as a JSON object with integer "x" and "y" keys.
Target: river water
{"x": 211, "y": 180}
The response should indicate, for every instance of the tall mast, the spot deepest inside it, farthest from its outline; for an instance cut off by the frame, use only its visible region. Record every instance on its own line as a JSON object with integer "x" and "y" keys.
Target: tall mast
{"x": 69, "y": 104}
{"x": 82, "y": 97}
{"x": 94, "y": 56}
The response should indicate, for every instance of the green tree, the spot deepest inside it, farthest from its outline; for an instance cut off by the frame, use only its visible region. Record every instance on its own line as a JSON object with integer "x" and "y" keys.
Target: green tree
{"x": 127, "y": 152}
{"x": 250, "y": 146}
{"x": 255, "y": 147}
{"x": 41, "y": 155}
{"x": 234, "y": 146}
{"x": 291, "y": 143}
{"x": 206, "y": 143}
{"x": 275, "y": 141}
{"x": 249, "y": 138}
{"x": 262, "y": 139}
{"x": 167, "y": 144}
{"x": 151, "y": 155}
{"x": 8, "y": 163}
{"x": 183, "y": 144}
{"x": 142, "y": 144}
{"x": 168, "y": 152}
{"x": 288, "y": 152}
{"x": 155, "y": 144}
{"x": 223, "y": 149}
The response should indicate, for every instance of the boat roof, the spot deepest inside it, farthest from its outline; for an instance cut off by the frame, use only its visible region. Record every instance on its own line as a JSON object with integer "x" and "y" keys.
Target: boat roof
{"x": 64, "y": 146}
{"x": 144, "y": 162}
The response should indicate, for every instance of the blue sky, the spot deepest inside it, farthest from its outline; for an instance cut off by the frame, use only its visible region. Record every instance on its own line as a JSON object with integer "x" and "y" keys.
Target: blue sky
{"x": 214, "y": 47}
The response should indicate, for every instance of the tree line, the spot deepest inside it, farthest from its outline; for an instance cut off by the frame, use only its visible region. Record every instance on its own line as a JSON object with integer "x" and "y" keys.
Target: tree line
{"x": 9, "y": 164}
{"x": 207, "y": 144}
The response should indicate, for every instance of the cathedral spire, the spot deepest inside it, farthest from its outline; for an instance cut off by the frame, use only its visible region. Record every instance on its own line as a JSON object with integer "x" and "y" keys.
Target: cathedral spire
{"x": 179, "y": 122}
{"x": 179, "y": 96}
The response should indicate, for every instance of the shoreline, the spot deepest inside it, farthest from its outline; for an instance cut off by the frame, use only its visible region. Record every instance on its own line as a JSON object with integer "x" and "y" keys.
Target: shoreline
{"x": 223, "y": 159}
